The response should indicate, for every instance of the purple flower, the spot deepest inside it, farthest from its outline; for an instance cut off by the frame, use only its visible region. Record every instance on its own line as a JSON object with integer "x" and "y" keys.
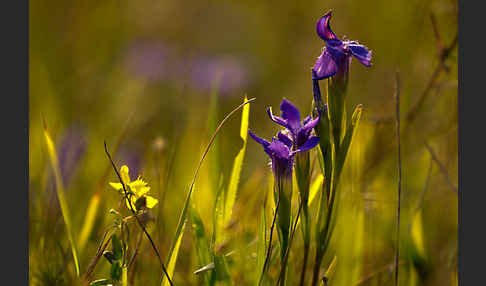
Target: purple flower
{"x": 281, "y": 153}
{"x": 300, "y": 133}
{"x": 336, "y": 56}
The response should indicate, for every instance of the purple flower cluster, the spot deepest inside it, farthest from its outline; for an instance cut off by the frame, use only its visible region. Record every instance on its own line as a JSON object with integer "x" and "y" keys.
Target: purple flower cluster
{"x": 336, "y": 56}
{"x": 295, "y": 138}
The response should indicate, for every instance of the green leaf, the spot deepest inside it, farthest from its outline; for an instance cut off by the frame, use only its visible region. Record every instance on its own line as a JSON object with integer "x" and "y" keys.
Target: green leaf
{"x": 100, "y": 282}
{"x": 51, "y": 150}
{"x": 346, "y": 143}
{"x": 174, "y": 251}
{"x": 313, "y": 191}
{"x": 262, "y": 245}
{"x": 315, "y": 187}
{"x": 203, "y": 249}
{"x": 220, "y": 272}
{"x": 237, "y": 164}
{"x": 116, "y": 247}
{"x": 218, "y": 218}
{"x": 116, "y": 271}
{"x": 331, "y": 269}
{"x": 89, "y": 220}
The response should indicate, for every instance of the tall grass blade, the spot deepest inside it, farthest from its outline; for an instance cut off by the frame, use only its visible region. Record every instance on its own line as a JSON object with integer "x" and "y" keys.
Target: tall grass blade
{"x": 51, "y": 150}
{"x": 262, "y": 245}
{"x": 315, "y": 187}
{"x": 313, "y": 191}
{"x": 124, "y": 276}
{"x": 174, "y": 249}
{"x": 346, "y": 143}
{"x": 203, "y": 249}
{"x": 89, "y": 220}
{"x": 237, "y": 164}
{"x": 331, "y": 269}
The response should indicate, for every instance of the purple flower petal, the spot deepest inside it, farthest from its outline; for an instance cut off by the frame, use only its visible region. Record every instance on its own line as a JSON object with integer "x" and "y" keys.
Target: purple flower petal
{"x": 279, "y": 149}
{"x": 361, "y": 53}
{"x": 285, "y": 139}
{"x": 309, "y": 144}
{"x": 325, "y": 66}
{"x": 305, "y": 131}
{"x": 324, "y": 29}
{"x": 311, "y": 124}
{"x": 306, "y": 120}
{"x": 259, "y": 140}
{"x": 276, "y": 119}
{"x": 291, "y": 114}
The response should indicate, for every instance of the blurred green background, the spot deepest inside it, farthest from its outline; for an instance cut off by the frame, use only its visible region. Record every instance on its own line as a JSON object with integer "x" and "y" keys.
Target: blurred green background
{"x": 140, "y": 73}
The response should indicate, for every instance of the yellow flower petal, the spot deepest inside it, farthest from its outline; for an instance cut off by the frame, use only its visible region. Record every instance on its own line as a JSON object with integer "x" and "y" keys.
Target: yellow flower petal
{"x": 151, "y": 201}
{"x": 133, "y": 199}
{"x": 116, "y": 186}
{"x": 124, "y": 174}
{"x": 139, "y": 187}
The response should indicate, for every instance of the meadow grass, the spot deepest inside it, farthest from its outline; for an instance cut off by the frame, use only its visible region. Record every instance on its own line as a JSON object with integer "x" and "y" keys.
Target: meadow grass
{"x": 201, "y": 206}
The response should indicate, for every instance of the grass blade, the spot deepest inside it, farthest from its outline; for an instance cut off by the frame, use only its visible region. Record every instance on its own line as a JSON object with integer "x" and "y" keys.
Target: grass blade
{"x": 331, "y": 269}
{"x": 315, "y": 187}
{"x": 262, "y": 245}
{"x": 203, "y": 250}
{"x": 174, "y": 250}
{"x": 61, "y": 195}
{"x": 89, "y": 220}
{"x": 237, "y": 164}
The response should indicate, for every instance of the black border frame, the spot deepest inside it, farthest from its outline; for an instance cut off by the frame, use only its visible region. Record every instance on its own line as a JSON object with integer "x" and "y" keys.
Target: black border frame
{"x": 471, "y": 145}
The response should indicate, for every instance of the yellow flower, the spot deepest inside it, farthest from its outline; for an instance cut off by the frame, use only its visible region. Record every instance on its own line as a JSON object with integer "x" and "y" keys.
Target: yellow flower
{"x": 139, "y": 190}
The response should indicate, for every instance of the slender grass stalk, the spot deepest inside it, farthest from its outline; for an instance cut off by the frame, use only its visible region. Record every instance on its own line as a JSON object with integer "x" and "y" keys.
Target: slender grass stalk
{"x": 124, "y": 276}
{"x": 303, "y": 174}
{"x": 61, "y": 195}
{"x": 269, "y": 249}
{"x": 442, "y": 168}
{"x": 287, "y": 251}
{"x": 94, "y": 203}
{"x": 97, "y": 257}
{"x": 397, "y": 254}
{"x": 136, "y": 217}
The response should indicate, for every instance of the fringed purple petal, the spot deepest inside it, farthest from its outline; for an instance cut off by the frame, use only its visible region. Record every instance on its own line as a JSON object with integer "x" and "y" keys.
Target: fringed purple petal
{"x": 291, "y": 114}
{"x": 279, "y": 149}
{"x": 325, "y": 66}
{"x": 276, "y": 119}
{"x": 285, "y": 139}
{"x": 324, "y": 30}
{"x": 361, "y": 53}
